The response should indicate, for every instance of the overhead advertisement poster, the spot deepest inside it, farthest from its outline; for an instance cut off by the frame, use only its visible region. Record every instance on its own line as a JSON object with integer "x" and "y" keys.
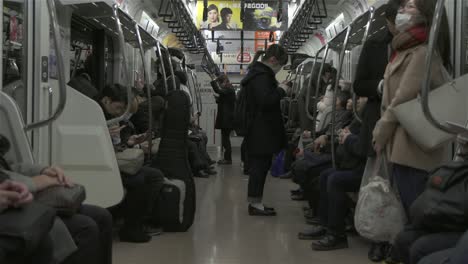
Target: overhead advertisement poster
{"x": 263, "y": 15}
{"x": 221, "y": 15}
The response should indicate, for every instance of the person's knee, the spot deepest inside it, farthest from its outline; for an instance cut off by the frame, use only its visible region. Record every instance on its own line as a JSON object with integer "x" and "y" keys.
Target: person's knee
{"x": 84, "y": 229}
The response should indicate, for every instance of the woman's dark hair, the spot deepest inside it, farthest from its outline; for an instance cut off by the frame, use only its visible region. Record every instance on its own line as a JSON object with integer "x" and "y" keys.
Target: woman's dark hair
{"x": 116, "y": 92}
{"x": 274, "y": 50}
{"x": 391, "y": 9}
{"x": 224, "y": 12}
{"x": 427, "y": 10}
{"x": 211, "y": 8}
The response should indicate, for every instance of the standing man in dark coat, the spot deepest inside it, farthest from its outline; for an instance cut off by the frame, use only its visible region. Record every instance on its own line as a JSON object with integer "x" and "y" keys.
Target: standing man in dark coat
{"x": 226, "y": 99}
{"x": 369, "y": 74}
{"x": 266, "y": 135}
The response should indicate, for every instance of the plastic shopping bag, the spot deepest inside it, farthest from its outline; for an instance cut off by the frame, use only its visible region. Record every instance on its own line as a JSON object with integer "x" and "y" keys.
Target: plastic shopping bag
{"x": 379, "y": 213}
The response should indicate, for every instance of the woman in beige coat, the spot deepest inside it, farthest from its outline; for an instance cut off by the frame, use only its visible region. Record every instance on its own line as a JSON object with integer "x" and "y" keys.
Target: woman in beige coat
{"x": 402, "y": 82}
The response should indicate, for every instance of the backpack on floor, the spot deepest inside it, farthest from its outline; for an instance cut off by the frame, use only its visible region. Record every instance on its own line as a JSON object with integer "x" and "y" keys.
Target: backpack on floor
{"x": 172, "y": 160}
{"x": 170, "y": 205}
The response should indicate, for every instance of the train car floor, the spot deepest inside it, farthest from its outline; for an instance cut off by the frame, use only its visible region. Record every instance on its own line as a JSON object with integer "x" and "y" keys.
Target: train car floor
{"x": 223, "y": 232}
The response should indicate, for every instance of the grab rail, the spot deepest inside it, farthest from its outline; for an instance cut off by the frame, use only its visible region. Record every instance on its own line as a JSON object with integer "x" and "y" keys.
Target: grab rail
{"x": 163, "y": 68}
{"x": 60, "y": 68}
{"x": 335, "y": 94}
{"x": 434, "y": 33}
{"x": 364, "y": 39}
{"x": 148, "y": 90}
{"x": 125, "y": 69}
{"x": 309, "y": 86}
{"x": 317, "y": 87}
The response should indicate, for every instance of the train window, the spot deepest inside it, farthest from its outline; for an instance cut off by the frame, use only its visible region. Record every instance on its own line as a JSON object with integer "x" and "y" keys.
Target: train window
{"x": 92, "y": 52}
{"x": 14, "y": 52}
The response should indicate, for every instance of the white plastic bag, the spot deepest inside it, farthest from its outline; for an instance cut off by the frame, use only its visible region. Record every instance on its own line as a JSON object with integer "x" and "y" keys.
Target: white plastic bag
{"x": 379, "y": 214}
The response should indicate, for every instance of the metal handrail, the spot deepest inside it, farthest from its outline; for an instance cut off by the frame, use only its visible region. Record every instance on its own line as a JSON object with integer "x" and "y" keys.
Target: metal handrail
{"x": 425, "y": 89}
{"x": 364, "y": 39}
{"x": 197, "y": 91}
{"x": 192, "y": 93}
{"x": 148, "y": 90}
{"x": 335, "y": 94}
{"x": 125, "y": 69}
{"x": 171, "y": 69}
{"x": 309, "y": 86}
{"x": 163, "y": 68}
{"x": 60, "y": 68}
{"x": 317, "y": 87}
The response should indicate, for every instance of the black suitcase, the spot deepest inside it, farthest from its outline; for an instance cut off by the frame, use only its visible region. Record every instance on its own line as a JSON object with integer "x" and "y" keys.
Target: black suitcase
{"x": 172, "y": 160}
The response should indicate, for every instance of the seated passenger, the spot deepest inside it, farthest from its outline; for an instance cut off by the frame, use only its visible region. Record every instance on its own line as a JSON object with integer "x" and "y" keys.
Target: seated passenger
{"x": 453, "y": 255}
{"x": 90, "y": 227}
{"x": 142, "y": 188}
{"x": 316, "y": 158}
{"x": 327, "y": 74}
{"x": 14, "y": 194}
{"x": 140, "y": 118}
{"x": 334, "y": 185}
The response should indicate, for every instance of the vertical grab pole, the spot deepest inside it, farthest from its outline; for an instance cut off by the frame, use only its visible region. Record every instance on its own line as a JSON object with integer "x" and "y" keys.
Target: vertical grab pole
{"x": 171, "y": 68}
{"x": 125, "y": 69}
{"x": 148, "y": 90}
{"x": 60, "y": 68}
{"x": 364, "y": 40}
{"x": 335, "y": 93}
{"x": 163, "y": 68}
{"x": 425, "y": 89}
{"x": 317, "y": 87}
{"x": 309, "y": 86}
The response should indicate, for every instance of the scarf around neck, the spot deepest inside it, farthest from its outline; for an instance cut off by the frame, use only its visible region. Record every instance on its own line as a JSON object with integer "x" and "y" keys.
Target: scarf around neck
{"x": 408, "y": 39}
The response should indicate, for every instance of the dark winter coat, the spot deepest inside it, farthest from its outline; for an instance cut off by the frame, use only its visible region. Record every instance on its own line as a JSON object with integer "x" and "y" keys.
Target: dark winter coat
{"x": 267, "y": 134}
{"x": 370, "y": 71}
{"x": 226, "y": 103}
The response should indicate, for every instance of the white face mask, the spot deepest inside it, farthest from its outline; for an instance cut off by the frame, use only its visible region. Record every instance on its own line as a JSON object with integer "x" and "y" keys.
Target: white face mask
{"x": 404, "y": 21}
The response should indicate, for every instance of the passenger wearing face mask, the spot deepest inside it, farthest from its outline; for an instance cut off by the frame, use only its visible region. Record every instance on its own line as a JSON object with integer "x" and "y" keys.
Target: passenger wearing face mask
{"x": 402, "y": 83}
{"x": 266, "y": 135}
{"x": 403, "y": 80}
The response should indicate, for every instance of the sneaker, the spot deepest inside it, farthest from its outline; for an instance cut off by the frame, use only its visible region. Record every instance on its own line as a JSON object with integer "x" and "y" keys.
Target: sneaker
{"x": 330, "y": 242}
{"x": 257, "y": 212}
{"x": 134, "y": 234}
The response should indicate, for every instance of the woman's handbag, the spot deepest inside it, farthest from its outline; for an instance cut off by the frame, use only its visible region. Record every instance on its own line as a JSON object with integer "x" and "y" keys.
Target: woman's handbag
{"x": 130, "y": 160}
{"x": 379, "y": 214}
{"x": 447, "y": 103}
{"x": 29, "y": 224}
{"x": 66, "y": 200}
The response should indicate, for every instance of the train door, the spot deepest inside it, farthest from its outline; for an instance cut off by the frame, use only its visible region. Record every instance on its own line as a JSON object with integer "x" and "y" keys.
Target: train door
{"x": 79, "y": 140}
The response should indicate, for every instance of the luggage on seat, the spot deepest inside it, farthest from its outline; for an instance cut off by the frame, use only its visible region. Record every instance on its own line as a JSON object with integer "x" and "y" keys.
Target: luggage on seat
{"x": 172, "y": 160}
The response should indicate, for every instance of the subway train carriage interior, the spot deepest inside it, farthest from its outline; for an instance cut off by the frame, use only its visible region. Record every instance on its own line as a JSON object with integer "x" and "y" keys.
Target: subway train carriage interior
{"x": 234, "y": 132}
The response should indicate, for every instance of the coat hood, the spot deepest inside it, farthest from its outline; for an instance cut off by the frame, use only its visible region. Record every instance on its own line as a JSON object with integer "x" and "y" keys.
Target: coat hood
{"x": 256, "y": 69}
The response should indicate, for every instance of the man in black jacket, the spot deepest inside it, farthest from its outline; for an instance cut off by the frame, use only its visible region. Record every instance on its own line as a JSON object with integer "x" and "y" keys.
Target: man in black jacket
{"x": 369, "y": 74}
{"x": 266, "y": 134}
